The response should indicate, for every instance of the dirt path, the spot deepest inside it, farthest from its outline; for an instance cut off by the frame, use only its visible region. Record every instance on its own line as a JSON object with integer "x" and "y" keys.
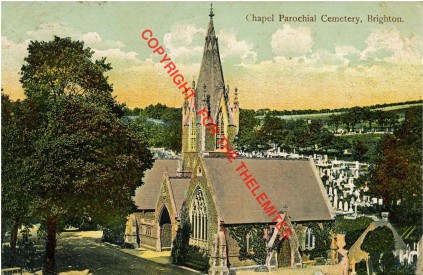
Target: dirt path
{"x": 83, "y": 253}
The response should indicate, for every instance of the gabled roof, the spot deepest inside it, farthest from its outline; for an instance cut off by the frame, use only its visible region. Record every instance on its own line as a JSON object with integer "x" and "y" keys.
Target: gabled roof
{"x": 179, "y": 187}
{"x": 355, "y": 252}
{"x": 146, "y": 196}
{"x": 291, "y": 182}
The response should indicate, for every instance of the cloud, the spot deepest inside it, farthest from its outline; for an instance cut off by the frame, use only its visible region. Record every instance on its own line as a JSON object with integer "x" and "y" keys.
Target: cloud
{"x": 230, "y": 46}
{"x": 13, "y": 54}
{"x": 292, "y": 41}
{"x": 184, "y": 42}
{"x": 114, "y": 50}
{"x": 93, "y": 40}
{"x": 91, "y": 37}
{"x": 304, "y": 76}
{"x": 117, "y": 55}
{"x": 390, "y": 45}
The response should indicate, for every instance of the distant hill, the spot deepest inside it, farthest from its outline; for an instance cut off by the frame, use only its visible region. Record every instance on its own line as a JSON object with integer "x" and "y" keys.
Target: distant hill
{"x": 324, "y": 114}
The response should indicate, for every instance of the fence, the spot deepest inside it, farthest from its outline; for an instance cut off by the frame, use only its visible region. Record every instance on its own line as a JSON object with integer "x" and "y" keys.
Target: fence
{"x": 11, "y": 271}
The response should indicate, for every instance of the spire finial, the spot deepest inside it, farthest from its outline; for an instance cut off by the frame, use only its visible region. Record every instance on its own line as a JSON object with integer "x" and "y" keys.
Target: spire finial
{"x": 211, "y": 10}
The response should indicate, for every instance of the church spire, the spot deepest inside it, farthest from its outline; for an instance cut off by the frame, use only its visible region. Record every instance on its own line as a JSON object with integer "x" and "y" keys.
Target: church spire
{"x": 211, "y": 73}
{"x": 211, "y": 11}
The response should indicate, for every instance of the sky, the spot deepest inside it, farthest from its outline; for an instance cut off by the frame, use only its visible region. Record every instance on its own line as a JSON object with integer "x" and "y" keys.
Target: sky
{"x": 276, "y": 65}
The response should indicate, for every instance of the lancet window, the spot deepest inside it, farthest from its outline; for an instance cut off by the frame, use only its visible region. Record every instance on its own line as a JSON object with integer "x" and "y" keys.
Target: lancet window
{"x": 193, "y": 136}
{"x": 309, "y": 239}
{"x": 220, "y": 130}
{"x": 199, "y": 219}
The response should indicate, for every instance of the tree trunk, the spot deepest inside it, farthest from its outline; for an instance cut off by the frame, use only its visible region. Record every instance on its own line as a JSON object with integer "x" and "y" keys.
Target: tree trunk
{"x": 50, "y": 261}
{"x": 14, "y": 239}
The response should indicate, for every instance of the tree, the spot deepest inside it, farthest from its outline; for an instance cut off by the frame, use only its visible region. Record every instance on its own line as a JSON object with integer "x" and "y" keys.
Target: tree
{"x": 335, "y": 120}
{"x": 369, "y": 116}
{"x": 273, "y": 129}
{"x": 181, "y": 242}
{"x": 20, "y": 119}
{"x": 359, "y": 149}
{"x": 248, "y": 137}
{"x": 396, "y": 175}
{"x": 86, "y": 161}
{"x": 380, "y": 117}
{"x": 64, "y": 67}
{"x": 352, "y": 117}
{"x": 377, "y": 242}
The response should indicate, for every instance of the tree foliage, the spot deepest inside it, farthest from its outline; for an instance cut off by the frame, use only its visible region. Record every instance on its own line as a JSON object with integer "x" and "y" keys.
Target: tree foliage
{"x": 161, "y": 126}
{"x": 396, "y": 177}
{"x": 352, "y": 229}
{"x": 64, "y": 67}
{"x": 21, "y": 121}
{"x": 181, "y": 242}
{"x": 322, "y": 235}
{"x": 248, "y": 135}
{"x": 377, "y": 242}
{"x": 83, "y": 161}
{"x": 86, "y": 162}
{"x": 257, "y": 243}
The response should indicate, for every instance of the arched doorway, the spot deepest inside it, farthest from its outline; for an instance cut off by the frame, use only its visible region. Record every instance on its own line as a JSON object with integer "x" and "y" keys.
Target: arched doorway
{"x": 284, "y": 253}
{"x": 165, "y": 230}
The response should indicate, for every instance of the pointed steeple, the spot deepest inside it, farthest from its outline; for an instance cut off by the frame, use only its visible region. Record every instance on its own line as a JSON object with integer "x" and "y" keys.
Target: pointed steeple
{"x": 211, "y": 73}
{"x": 211, "y": 11}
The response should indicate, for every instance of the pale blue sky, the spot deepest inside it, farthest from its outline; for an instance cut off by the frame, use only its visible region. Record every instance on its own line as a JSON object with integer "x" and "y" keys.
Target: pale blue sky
{"x": 297, "y": 65}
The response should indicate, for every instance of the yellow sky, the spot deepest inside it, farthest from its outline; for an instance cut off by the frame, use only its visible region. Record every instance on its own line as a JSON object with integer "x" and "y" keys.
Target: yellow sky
{"x": 274, "y": 65}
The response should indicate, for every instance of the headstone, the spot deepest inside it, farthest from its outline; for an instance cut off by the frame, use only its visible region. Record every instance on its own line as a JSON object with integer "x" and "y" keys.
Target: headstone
{"x": 385, "y": 216}
{"x": 346, "y": 206}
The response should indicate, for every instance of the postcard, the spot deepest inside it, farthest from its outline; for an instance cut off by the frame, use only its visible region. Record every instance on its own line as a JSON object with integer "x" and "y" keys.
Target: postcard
{"x": 211, "y": 137}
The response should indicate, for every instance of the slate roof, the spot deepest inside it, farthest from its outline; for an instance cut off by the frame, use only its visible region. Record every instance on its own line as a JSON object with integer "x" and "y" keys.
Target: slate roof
{"x": 179, "y": 188}
{"x": 146, "y": 196}
{"x": 292, "y": 182}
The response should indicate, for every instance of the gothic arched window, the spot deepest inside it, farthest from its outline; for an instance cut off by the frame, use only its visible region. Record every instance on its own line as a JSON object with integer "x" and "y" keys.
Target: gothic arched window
{"x": 199, "y": 221}
{"x": 220, "y": 133}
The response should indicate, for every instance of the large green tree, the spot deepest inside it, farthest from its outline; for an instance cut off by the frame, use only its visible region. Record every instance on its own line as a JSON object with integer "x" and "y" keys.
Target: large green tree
{"x": 86, "y": 161}
{"x": 248, "y": 137}
{"x": 396, "y": 176}
{"x": 20, "y": 120}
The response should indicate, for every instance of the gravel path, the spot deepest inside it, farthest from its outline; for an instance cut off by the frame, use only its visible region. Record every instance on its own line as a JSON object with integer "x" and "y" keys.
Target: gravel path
{"x": 82, "y": 253}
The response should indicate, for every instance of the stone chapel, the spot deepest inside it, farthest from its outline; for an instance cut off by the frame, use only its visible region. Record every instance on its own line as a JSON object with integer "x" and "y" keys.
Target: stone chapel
{"x": 228, "y": 229}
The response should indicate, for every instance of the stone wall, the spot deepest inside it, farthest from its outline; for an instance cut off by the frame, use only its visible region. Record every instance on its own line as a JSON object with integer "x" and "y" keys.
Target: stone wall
{"x": 146, "y": 224}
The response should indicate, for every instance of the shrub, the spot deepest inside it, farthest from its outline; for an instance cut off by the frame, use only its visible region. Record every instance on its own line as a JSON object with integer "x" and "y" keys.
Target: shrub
{"x": 361, "y": 268}
{"x": 25, "y": 253}
{"x": 115, "y": 233}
